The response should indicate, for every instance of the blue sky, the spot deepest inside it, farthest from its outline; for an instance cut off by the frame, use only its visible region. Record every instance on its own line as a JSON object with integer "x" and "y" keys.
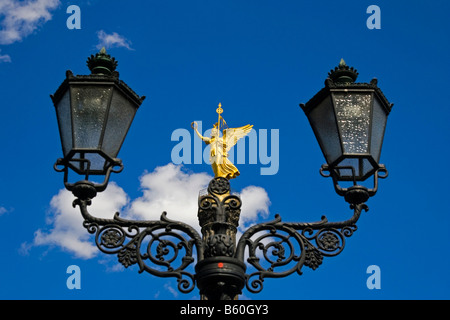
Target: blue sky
{"x": 260, "y": 59}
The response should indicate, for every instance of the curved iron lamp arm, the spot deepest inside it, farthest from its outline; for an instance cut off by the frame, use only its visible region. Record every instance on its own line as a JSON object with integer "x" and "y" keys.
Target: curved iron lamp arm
{"x": 161, "y": 242}
{"x": 301, "y": 244}
{"x": 165, "y": 248}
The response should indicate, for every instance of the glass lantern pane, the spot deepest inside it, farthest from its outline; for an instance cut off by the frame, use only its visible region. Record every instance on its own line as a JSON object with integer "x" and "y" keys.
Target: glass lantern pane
{"x": 362, "y": 168}
{"x": 353, "y": 117}
{"x": 65, "y": 122}
{"x": 92, "y": 163}
{"x": 378, "y": 127}
{"x": 89, "y": 107}
{"x": 120, "y": 116}
{"x": 323, "y": 122}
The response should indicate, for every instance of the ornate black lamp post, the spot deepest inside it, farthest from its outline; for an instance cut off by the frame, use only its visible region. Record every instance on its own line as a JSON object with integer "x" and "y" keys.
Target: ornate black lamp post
{"x": 94, "y": 114}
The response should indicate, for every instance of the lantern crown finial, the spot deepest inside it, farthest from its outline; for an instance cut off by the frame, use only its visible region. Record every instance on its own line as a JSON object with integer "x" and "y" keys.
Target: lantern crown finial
{"x": 102, "y": 63}
{"x": 343, "y": 73}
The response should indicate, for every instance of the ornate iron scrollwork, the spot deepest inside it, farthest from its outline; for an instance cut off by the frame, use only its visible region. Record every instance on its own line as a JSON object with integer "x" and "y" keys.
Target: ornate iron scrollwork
{"x": 286, "y": 247}
{"x": 164, "y": 247}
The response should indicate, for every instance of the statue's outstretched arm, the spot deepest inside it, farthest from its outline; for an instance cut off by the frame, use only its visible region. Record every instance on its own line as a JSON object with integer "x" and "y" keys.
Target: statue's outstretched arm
{"x": 194, "y": 126}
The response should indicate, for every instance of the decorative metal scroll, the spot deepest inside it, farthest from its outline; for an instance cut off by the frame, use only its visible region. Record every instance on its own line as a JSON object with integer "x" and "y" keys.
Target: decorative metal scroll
{"x": 277, "y": 249}
{"x": 111, "y": 165}
{"x": 164, "y": 248}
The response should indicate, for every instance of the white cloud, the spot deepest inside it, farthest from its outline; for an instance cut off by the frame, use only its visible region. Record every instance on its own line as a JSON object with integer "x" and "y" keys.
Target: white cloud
{"x": 170, "y": 189}
{"x": 68, "y": 231}
{"x": 255, "y": 204}
{"x": 4, "y": 57}
{"x": 3, "y": 210}
{"x": 113, "y": 40}
{"x": 167, "y": 188}
{"x": 21, "y": 18}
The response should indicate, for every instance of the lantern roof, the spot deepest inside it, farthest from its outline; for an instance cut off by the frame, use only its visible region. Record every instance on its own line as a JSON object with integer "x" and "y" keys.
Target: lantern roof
{"x": 342, "y": 78}
{"x": 103, "y": 70}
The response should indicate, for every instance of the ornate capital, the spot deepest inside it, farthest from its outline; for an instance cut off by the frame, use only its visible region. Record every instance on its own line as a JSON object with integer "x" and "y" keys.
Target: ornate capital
{"x": 218, "y": 215}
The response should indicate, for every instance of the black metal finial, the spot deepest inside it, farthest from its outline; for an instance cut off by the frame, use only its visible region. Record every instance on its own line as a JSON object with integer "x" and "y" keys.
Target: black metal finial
{"x": 343, "y": 73}
{"x": 102, "y": 63}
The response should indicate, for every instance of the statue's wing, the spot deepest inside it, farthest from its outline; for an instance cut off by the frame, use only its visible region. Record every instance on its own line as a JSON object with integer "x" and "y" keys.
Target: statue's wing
{"x": 232, "y": 135}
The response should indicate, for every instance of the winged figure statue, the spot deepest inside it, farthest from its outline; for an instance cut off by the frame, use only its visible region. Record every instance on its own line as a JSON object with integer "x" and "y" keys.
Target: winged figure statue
{"x": 220, "y": 145}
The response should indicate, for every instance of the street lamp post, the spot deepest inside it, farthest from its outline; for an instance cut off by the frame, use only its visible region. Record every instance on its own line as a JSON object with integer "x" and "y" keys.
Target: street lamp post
{"x": 94, "y": 113}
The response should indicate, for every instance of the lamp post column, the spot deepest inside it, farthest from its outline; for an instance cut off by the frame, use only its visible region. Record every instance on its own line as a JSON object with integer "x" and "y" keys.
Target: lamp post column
{"x": 220, "y": 276}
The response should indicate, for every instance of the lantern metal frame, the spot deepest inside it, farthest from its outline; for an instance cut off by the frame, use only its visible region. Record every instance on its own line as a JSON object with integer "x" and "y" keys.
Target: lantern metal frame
{"x": 166, "y": 248}
{"x": 103, "y": 75}
{"x": 340, "y": 81}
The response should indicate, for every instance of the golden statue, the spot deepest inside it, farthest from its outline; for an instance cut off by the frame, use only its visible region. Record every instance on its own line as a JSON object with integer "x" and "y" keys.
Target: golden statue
{"x": 220, "y": 145}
